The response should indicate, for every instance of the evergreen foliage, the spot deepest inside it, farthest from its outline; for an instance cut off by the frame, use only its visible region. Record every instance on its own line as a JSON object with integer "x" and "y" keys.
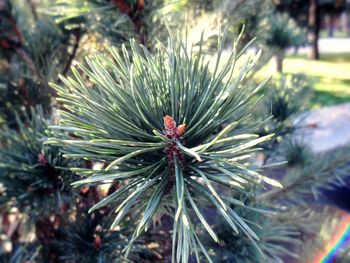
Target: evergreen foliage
{"x": 34, "y": 176}
{"x": 33, "y": 51}
{"x": 88, "y": 239}
{"x": 297, "y": 153}
{"x": 115, "y": 20}
{"x": 22, "y": 253}
{"x": 283, "y": 32}
{"x": 127, "y": 118}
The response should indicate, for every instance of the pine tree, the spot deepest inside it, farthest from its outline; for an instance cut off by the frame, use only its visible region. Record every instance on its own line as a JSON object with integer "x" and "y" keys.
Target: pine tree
{"x": 147, "y": 150}
{"x": 282, "y": 33}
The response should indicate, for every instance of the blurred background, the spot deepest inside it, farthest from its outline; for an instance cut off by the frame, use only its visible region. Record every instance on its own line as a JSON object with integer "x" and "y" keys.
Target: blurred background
{"x": 305, "y": 49}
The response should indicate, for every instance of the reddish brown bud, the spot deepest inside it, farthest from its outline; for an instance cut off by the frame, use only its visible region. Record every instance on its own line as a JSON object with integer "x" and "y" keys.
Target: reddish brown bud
{"x": 42, "y": 159}
{"x": 181, "y": 129}
{"x": 169, "y": 123}
{"x": 98, "y": 242}
{"x": 170, "y": 126}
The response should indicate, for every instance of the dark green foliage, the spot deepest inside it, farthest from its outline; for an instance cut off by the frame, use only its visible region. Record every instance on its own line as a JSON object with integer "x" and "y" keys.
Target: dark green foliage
{"x": 47, "y": 46}
{"x": 9, "y": 37}
{"x": 92, "y": 16}
{"x": 19, "y": 95}
{"x": 283, "y": 32}
{"x": 34, "y": 176}
{"x": 33, "y": 52}
{"x": 296, "y": 152}
{"x": 250, "y": 14}
{"x": 288, "y": 95}
{"x": 121, "y": 119}
{"x": 88, "y": 239}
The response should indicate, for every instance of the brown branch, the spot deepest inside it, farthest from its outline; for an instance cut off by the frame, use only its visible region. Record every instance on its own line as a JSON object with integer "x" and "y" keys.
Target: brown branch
{"x": 134, "y": 17}
{"x": 33, "y": 9}
{"x": 24, "y": 93}
{"x": 27, "y": 60}
{"x": 13, "y": 41}
{"x": 72, "y": 55}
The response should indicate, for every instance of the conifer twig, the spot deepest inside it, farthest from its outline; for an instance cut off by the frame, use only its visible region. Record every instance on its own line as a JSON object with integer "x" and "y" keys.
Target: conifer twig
{"x": 77, "y": 35}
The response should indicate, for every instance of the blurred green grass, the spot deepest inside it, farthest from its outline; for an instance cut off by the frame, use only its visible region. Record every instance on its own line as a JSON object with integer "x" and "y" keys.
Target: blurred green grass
{"x": 336, "y": 34}
{"x": 330, "y": 76}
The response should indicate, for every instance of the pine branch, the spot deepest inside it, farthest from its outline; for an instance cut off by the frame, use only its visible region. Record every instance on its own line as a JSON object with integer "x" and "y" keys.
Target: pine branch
{"x": 32, "y": 173}
{"x": 13, "y": 40}
{"x": 154, "y": 128}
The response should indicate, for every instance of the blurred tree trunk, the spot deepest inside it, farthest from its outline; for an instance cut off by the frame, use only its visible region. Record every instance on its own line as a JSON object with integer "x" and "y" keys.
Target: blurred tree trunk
{"x": 279, "y": 60}
{"x": 314, "y": 29}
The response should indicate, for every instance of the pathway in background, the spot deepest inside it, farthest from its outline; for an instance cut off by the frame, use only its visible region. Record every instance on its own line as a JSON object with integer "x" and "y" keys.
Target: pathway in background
{"x": 327, "y": 128}
{"x": 330, "y": 45}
